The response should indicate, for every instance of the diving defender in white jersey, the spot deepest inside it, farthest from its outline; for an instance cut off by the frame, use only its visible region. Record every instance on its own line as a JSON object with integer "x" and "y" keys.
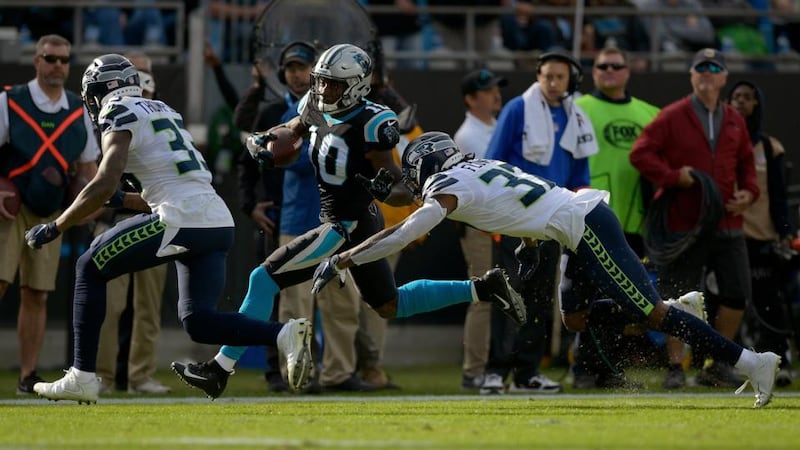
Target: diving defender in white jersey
{"x": 188, "y": 223}
{"x": 499, "y": 198}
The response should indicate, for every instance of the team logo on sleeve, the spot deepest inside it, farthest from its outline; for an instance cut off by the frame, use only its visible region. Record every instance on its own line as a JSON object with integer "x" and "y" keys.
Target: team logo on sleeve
{"x": 390, "y": 132}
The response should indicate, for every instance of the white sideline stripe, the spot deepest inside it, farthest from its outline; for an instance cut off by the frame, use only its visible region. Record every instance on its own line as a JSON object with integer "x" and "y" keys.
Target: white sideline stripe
{"x": 278, "y": 442}
{"x": 404, "y": 398}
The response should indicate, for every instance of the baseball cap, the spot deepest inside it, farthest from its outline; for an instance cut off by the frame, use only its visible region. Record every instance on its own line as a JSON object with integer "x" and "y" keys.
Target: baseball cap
{"x": 479, "y": 80}
{"x": 709, "y": 55}
{"x": 298, "y": 52}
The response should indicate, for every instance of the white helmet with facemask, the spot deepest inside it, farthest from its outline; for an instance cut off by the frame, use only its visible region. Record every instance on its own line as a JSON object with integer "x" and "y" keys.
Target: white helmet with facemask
{"x": 345, "y": 63}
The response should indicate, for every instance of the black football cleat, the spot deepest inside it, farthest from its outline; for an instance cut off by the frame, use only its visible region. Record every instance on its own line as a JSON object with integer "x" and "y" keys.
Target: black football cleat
{"x": 493, "y": 287}
{"x": 209, "y": 377}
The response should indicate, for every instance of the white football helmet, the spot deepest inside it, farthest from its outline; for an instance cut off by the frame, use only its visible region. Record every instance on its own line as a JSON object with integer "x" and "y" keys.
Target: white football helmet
{"x": 346, "y": 63}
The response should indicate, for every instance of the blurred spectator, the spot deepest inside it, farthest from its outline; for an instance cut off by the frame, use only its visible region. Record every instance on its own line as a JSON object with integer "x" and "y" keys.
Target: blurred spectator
{"x": 738, "y": 34}
{"x": 141, "y": 25}
{"x": 144, "y": 26}
{"x": 372, "y": 328}
{"x": 42, "y": 21}
{"x": 562, "y": 25}
{"x": 714, "y": 142}
{"x": 618, "y": 118}
{"x": 614, "y": 31}
{"x": 43, "y": 180}
{"x": 260, "y": 196}
{"x": 224, "y": 143}
{"x": 480, "y": 90}
{"x": 401, "y": 31}
{"x": 768, "y": 232}
{"x": 230, "y": 24}
{"x": 103, "y": 26}
{"x": 684, "y": 32}
{"x": 452, "y": 27}
{"x": 524, "y": 30}
{"x": 786, "y": 31}
{"x": 543, "y": 133}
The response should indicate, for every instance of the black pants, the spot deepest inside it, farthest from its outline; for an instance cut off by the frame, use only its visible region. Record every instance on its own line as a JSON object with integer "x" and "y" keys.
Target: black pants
{"x": 521, "y": 348}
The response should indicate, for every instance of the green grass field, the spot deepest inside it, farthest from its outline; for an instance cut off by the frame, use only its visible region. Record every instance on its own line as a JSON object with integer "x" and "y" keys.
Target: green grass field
{"x": 431, "y": 411}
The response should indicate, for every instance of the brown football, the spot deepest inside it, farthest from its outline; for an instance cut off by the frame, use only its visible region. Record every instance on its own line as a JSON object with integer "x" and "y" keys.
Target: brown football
{"x": 286, "y": 148}
{"x": 11, "y": 203}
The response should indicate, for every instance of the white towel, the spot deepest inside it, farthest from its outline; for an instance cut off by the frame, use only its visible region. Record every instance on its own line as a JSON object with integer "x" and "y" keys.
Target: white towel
{"x": 538, "y": 134}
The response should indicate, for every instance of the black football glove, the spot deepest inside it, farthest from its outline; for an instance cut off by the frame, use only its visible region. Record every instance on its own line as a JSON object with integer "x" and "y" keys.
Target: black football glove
{"x": 528, "y": 257}
{"x": 326, "y": 271}
{"x": 379, "y": 187}
{"x": 256, "y": 145}
{"x": 41, "y": 234}
{"x": 116, "y": 200}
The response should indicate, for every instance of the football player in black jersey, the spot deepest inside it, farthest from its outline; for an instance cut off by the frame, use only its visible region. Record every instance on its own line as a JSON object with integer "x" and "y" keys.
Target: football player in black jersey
{"x": 351, "y": 141}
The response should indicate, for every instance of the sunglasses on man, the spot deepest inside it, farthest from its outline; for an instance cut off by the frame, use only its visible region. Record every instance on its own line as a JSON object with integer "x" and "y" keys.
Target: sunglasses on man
{"x": 613, "y": 66}
{"x": 708, "y": 67}
{"x": 51, "y": 59}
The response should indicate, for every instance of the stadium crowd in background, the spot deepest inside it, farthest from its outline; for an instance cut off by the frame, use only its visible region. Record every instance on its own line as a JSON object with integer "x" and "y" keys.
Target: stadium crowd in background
{"x": 522, "y": 28}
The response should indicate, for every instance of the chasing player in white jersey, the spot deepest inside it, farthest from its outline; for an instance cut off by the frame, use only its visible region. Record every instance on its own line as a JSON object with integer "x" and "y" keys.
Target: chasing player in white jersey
{"x": 187, "y": 222}
{"x": 499, "y": 198}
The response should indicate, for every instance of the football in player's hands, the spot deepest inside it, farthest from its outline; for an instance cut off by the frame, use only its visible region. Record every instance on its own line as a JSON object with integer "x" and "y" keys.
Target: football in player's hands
{"x": 284, "y": 147}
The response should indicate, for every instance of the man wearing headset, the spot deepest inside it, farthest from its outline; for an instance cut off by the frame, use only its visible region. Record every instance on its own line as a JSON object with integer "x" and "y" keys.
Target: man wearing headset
{"x": 545, "y": 134}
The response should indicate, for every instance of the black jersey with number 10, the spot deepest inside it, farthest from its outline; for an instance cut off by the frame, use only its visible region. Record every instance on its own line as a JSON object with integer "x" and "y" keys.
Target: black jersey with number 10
{"x": 339, "y": 145}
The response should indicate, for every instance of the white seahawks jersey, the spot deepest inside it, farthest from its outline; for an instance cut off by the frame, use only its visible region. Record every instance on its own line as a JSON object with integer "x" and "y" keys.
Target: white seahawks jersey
{"x": 497, "y": 197}
{"x": 175, "y": 179}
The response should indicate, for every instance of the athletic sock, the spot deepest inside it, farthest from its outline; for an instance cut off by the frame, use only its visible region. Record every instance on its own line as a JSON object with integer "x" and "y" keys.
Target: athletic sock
{"x": 84, "y": 376}
{"x": 703, "y": 339}
{"x": 225, "y": 362}
{"x": 257, "y": 303}
{"x": 429, "y": 295}
{"x": 748, "y": 361}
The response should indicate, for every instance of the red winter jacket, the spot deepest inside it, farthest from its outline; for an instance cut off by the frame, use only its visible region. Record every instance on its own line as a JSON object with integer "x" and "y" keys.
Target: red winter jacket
{"x": 676, "y": 138}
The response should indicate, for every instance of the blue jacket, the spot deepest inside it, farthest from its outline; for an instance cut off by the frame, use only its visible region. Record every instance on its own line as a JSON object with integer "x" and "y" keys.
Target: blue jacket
{"x": 300, "y": 207}
{"x": 506, "y": 145}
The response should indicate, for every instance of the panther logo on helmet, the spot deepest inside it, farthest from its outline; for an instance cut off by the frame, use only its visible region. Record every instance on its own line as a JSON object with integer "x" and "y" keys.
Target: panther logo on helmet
{"x": 426, "y": 155}
{"x": 110, "y": 75}
{"x": 345, "y": 63}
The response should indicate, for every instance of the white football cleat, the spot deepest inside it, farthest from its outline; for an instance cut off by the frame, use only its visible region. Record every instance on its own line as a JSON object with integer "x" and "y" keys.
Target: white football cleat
{"x": 70, "y": 388}
{"x": 294, "y": 341}
{"x": 762, "y": 378}
{"x": 692, "y": 303}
